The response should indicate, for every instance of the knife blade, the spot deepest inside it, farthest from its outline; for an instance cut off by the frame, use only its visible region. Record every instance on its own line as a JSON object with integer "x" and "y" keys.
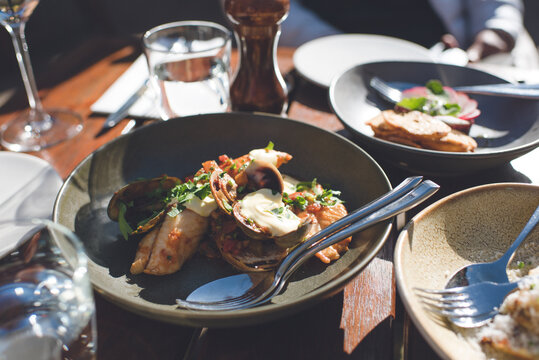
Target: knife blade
{"x": 115, "y": 118}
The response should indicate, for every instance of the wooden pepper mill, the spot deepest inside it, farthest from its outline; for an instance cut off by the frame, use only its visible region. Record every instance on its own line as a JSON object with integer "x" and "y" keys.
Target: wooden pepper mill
{"x": 258, "y": 84}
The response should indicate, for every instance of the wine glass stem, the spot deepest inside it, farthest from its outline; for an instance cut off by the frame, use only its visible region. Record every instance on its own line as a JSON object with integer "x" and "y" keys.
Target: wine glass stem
{"x": 23, "y": 58}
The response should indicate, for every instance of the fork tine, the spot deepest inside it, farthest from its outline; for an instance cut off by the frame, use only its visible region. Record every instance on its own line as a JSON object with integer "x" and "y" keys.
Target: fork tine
{"x": 444, "y": 298}
{"x": 450, "y": 291}
{"x": 391, "y": 94}
{"x": 455, "y": 313}
{"x": 448, "y": 306}
{"x": 217, "y": 305}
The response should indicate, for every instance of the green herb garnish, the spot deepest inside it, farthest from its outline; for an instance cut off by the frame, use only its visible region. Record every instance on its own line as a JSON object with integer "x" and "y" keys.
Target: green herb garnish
{"x": 125, "y": 228}
{"x": 299, "y": 201}
{"x": 329, "y": 197}
{"x": 435, "y": 87}
{"x": 173, "y": 212}
{"x": 278, "y": 211}
{"x": 227, "y": 206}
{"x": 269, "y": 146}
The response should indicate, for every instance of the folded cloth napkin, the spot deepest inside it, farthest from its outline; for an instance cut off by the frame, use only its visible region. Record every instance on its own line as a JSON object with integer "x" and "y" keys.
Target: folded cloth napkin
{"x": 125, "y": 86}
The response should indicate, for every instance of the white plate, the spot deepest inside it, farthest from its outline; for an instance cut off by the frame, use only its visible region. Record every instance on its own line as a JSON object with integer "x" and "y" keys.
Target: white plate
{"x": 28, "y": 189}
{"x": 321, "y": 59}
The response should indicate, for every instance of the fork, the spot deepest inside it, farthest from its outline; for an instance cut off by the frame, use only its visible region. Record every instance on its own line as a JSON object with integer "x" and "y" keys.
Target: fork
{"x": 467, "y": 306}
{"x": 495, "y": 271}
{"x": 259, "y": 295}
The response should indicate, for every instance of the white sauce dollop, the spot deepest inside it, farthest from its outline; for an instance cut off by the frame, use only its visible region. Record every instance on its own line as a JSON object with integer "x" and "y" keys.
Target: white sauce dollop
{"x": 257, "y": 206}
{"x": 202, "y": 207}
{"x": 270, "y": 156}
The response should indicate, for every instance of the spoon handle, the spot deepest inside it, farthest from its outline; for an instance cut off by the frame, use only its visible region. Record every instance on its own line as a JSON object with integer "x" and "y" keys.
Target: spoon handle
{"x": 506, "y": 258}
{"x": 406, "y": 202}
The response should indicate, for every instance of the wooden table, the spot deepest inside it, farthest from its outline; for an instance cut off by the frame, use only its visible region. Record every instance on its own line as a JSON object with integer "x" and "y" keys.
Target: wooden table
{"x": 338, "y": 328}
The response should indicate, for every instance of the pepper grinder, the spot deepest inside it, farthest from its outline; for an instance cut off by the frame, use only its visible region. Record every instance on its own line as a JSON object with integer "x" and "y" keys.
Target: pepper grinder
{"x": 258, "y": 84}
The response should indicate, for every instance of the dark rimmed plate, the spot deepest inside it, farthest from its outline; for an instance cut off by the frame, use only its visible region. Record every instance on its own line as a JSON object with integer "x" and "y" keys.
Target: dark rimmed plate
{"x": 177, "y": 147}
{"x": 506, "y": 128}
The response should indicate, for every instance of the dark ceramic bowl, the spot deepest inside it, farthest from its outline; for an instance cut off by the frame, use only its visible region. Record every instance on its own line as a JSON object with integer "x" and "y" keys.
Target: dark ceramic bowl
{"x": 506, "y": 128}
{"x": 178, "y": 147}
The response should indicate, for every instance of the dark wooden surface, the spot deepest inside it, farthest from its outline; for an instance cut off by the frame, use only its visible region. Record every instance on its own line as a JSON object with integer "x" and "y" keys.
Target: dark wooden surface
{"x": 337, "y": 328}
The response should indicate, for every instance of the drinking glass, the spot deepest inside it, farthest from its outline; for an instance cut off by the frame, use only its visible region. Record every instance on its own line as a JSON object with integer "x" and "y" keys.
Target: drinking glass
{"x": 189, "y": 64}
{"x": 35, "y": 128}
{"x": 47, "y": 309}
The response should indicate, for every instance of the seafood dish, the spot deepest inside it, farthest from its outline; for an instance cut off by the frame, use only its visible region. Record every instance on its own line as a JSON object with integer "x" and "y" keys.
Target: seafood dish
{"x": 242, "y": 210}
{"x": 434, "y": 117}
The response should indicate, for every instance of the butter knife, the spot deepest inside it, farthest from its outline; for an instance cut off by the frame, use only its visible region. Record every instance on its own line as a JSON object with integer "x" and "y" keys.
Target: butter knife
{"x": 115, "y": 118}
{"x": 523, "y": 91}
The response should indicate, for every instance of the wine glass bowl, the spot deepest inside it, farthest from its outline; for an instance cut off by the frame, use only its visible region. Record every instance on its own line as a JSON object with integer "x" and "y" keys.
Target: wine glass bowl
{"x": 36, "y": 128}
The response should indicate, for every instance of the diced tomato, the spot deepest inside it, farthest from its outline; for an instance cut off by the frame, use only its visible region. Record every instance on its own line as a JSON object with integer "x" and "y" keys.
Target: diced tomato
{"x": 225, "y": 162}
{"x": 314, "y": 207}
{"x": 293, "y": 196}
{"x": 209, "y": 166}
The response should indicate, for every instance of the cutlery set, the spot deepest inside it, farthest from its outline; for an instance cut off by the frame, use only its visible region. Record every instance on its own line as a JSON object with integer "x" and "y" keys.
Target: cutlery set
{"x": 216, "y": 296}
{"x": 473, "y": 294}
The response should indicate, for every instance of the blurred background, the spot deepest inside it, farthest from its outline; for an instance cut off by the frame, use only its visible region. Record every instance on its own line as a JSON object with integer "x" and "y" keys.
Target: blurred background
{"x": 57, "y": 27}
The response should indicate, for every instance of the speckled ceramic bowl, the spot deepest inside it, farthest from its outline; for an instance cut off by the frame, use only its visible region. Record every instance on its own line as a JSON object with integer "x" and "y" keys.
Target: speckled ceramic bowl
{"x": 178, "y": 147}
{"x": 474, "y": 225}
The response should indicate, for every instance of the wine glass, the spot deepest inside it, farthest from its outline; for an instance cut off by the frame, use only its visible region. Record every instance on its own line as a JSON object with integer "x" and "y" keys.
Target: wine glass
{"x": 35, "y": 128}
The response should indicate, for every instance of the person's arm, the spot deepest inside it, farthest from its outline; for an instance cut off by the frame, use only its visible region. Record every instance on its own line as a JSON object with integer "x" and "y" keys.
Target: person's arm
{"x": 495, "y": 25}
{"x": 483, "y": 27}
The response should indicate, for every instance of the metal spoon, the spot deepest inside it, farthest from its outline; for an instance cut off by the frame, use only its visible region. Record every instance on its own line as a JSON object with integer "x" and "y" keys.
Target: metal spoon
{"x": 495, "y": 271}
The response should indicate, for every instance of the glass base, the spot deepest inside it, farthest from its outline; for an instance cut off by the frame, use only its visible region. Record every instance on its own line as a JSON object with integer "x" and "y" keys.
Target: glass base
{"x": 21, "y": 134}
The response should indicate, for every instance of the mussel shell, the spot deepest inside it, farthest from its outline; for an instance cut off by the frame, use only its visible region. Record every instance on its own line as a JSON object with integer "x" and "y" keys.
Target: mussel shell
{"x": 264, "y": 175}
{"x": 251, "y": 229}
{"x": 224, "y": 190}
{"x": 138, "y": 190}
{"x": 256, "y": 232}
{"x": 294, "y": 238}
{"x": 256, "y": 256}
{"x": 154, "y": 221}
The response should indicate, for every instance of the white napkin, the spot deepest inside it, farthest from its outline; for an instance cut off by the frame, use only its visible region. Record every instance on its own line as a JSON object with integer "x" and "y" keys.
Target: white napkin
{"x": 28, "y": 188}
{"x": 125, "y": 86}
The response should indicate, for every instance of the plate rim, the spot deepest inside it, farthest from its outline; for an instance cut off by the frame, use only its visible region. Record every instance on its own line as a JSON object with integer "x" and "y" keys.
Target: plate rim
{"x": 218, "y": 318}
{"x": 405, "y": 295}
{"x": 298, "y": 53}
